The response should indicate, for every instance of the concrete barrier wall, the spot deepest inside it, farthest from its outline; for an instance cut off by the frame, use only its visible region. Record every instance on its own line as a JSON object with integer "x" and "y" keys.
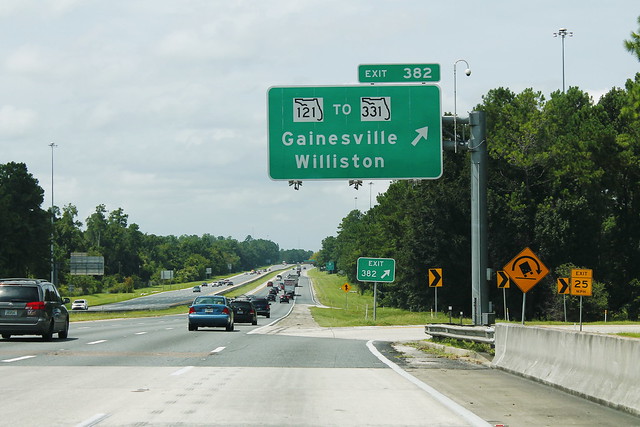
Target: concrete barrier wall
{"x": 601, "y": 367}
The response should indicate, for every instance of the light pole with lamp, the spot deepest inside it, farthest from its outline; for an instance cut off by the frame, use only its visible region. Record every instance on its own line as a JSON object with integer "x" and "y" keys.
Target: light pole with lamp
{"x": 467, "y": 71}
{"x": 562, "y": 32}
{"x": 53, "y": 269}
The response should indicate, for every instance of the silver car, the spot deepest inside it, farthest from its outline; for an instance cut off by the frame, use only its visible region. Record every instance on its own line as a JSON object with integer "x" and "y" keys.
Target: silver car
{"x": 32, "y": 307}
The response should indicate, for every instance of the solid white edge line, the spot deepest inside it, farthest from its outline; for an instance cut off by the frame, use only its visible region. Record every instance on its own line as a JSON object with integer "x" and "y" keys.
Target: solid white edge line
{"x": 93, "y": 420}
{"x": 469, "y": 416}
{"x": 182, "y": 371}
{"x": 18, "y": 359}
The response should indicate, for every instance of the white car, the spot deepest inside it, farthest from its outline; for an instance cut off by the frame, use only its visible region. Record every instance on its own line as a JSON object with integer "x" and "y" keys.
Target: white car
{"x": 80, "y": 304}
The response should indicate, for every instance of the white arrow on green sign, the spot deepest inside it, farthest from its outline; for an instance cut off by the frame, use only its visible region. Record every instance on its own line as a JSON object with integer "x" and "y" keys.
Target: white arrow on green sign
{"x": 376, "y": 270}
{"x": 355, "y": 132}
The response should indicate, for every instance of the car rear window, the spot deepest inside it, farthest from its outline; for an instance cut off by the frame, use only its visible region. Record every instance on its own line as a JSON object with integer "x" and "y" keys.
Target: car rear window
{"x": 11, "y": 293}
{"x": 245, "y": 304}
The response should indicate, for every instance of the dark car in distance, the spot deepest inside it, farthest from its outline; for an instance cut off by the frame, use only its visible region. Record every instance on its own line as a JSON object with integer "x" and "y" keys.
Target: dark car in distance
{"x": 263, "y": 308}
{"x": 32, "y": 307}
{"x": 244, "y": 311}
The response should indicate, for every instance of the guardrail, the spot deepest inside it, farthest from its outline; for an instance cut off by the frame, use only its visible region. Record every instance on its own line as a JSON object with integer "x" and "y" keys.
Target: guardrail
{"x": 480, "y": 334}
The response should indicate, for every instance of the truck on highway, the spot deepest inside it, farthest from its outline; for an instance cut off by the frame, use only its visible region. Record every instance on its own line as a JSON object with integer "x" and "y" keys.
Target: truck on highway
{"x": 290, "y": 283}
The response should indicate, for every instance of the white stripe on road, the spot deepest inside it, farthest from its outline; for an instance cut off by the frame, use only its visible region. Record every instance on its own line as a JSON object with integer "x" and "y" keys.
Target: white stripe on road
{"x": 472, "y": 418}
{"x": 182, "y": 371}
{"x": 93, "y": 420}
{"x": 140, "y": 333}
{"x": 96, "y": 342}
{"x": 217, "y": 350}
{"x": 17, "y": 359}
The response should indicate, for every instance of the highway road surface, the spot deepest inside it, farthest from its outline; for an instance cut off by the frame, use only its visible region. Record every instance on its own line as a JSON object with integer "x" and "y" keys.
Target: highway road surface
{"x": 153, "y": 371}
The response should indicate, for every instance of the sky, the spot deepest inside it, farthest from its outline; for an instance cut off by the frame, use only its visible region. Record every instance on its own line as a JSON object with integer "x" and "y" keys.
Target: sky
{"x": 159, "y": 107}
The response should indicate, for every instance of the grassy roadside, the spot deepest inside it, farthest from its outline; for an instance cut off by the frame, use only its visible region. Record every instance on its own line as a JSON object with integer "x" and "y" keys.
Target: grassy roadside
{"x": 100, "y": 299}
{"x": 355, "y": 309}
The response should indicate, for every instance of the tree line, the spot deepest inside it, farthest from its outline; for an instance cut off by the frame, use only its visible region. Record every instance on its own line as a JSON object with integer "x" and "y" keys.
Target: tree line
{"x": 564, "y": 180}
{"x": 132, "y": 259}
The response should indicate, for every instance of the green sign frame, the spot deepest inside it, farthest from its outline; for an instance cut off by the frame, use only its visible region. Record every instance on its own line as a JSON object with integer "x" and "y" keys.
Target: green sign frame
{"x": 376, "y": 270}
{"x": 354, "y": 132}
{"x": 399, "y": 73}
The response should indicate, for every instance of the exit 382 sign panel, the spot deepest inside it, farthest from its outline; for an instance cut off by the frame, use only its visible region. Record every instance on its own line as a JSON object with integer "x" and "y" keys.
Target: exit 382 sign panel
{"x": 355, "y": 132}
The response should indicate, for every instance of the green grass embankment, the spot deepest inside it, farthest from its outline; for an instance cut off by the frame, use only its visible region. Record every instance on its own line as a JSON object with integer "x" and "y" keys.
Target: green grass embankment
{"x": 356, "y": 309}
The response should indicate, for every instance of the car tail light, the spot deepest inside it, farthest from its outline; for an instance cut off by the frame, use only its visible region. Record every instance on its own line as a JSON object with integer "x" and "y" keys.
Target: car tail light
{"x": 192, "y": 310}
{"x": 251, "y": 311}
{"x": 36, "y": 305}
{"x": 225, "y": 310}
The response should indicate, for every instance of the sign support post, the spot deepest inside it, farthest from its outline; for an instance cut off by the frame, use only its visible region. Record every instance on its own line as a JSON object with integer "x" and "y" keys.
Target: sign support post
{"x": 504, "y": 298}
{"x": 580, "y": 313}
{"x": 479, "y": 241}
{"x": 375, "y": 299}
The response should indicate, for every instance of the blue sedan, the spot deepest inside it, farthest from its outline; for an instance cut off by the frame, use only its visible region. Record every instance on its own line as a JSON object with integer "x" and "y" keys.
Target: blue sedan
{"x": 210, "y": 311}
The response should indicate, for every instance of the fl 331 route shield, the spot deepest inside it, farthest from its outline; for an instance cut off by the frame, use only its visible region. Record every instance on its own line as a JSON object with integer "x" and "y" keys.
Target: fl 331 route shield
{"x": 355, "y": 132}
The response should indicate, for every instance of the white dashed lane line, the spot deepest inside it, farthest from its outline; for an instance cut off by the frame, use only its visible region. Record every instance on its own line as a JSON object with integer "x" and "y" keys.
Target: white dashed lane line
{"x": 182, "y": 371}
{"x": 96, "y": 342}
{"x": 217, "y": 350}
{"x": 18, "y": 359}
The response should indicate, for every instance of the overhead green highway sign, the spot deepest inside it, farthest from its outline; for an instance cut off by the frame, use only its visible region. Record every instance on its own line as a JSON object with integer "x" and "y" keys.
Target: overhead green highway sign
{"x": 376, "y": 270}
{"x": 398, "y": 73}
{"x": 355, "y": 132}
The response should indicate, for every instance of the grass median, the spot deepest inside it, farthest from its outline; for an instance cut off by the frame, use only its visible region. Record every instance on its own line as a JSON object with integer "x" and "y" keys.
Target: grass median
{"x": 101, "y": 299}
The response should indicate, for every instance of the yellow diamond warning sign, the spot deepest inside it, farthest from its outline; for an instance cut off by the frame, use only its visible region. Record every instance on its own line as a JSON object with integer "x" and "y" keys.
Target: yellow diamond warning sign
{"x": 526, "y": 270}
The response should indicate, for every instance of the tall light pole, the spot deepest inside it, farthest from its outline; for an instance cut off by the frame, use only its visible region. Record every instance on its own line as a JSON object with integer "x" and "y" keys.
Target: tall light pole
{"x": 562, "y": 32}
{"x": 52, "y": 145}
{"x": 467, "y": 71}
{"x": 370, "y": 185}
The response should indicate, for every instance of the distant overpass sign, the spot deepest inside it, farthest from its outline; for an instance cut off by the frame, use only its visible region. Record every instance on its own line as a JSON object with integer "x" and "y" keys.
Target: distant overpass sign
{"x": 355, "y": 132}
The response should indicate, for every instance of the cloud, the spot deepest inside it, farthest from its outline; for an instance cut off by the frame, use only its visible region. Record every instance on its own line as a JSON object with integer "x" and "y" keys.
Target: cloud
{"x": 15, "y": 121}
{"x": 26, "y": 60}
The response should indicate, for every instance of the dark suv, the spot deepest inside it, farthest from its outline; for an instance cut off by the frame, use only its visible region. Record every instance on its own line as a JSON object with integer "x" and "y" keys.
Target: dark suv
{"x": 32, "y": 307}
{"x": 263, "y": 308}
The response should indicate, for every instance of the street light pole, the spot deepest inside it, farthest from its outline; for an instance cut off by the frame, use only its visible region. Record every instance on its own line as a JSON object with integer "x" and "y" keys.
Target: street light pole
{"x": 562, "y": 32}
{"x": 52, "y": 145}
{"x": 467, "y": 71}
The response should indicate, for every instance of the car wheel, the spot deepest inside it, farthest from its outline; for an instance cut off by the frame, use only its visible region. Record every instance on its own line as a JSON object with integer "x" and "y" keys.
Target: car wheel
{"x": 6, "y": 336}
{"x": 268, "y": 316}
{"x": 49, "y": 334}
{"x": 255, "y": 322}
{"x": 63, "y": 334}
{"x": 230, "y": 327}
{"x": 192, "y": 328}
